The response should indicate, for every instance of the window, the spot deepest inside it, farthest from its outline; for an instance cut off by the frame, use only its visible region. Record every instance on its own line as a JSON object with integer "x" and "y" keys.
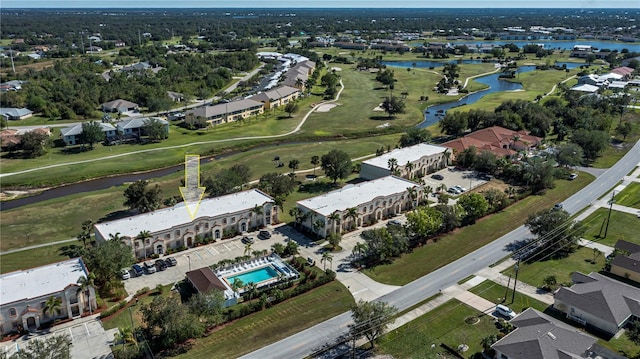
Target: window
{"x": 137, "y": 244}
{"x": 167, "y": 236}
{"x": 224, "y": 221}
{"x": 364, "y": 210}
{"x": 43, "y": 304}
{"x": 13, "y": 312}
{"x": 147, "y": 241}
{"x": 177, "y": 233}
{"x": 233, "y": 219}
{"x": 197, "y": 229}
{"x": 206, "y": 226}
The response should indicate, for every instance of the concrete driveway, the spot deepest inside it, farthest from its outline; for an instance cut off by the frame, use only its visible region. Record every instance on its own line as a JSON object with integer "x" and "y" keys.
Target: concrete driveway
{"x": 452, "y": 177}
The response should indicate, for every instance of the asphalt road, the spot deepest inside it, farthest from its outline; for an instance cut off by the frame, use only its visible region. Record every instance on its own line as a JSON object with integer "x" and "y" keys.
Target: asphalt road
{"x": 306, "y": 342}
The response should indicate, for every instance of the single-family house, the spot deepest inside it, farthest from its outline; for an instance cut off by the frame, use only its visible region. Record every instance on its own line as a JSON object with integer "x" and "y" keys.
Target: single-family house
{"x": 120, "y": 43}
{"x": 204, "y": 280}
{"x": 501, "y": 141}
{"x": 538, "y": 336}
{"x": 359, "y": 204}
{"x": 9, "y": 139}
{"x": 599, "y": 302}
{"x": 72, "y": 135}
{"x": 23, "y": 303}
{"x": 224, "y": 112}
{"x": 13, "y": 85}
{"x": 119, "y": 105}
{"x": 175, "y": 96}
{"x": 593, "y": 80}
{"x": 585, "y": 88}
{"x": 12, "y": 113}
{"x": 276, "y": 97}
{"x": 626, "y": 264}
{"x": 417, "y": 160}
{"x": 173, "y": 227}
{"x": 136, "y": 126}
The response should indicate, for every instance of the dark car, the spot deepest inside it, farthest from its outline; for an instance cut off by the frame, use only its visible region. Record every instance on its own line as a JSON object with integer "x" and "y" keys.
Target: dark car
{"x": 137, "y": 270}
{"x": 247, "y": 240}
{"x": 171, "y": 261}
{"x": 161, "y": 265}
{"x": 437, "y": 177}
{"x": 264, "y": 235}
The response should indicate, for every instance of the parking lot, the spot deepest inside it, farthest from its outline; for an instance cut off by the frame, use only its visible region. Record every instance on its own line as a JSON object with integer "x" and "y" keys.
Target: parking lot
{"x": 454, "y": 177}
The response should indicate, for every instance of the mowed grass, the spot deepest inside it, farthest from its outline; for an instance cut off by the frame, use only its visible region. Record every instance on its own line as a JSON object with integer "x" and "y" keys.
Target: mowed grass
{"x": 495, "y": 293}
{"x": 579, "y": 261}
{"x": 270, "y": 325}
{"x": 630, "y": 196}
{"x": 34, "y": 257}
{"x": 609, "y": 157}
{"x": 444, "y": 324}
{"x": 448, "y": 248}
{"x": 625, "y": 226}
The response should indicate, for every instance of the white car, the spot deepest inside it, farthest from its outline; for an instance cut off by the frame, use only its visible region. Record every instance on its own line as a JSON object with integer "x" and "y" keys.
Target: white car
{"x": 460, "y": 188}
{"x": 124, "y": 274}
{"x": 505, "y": 311}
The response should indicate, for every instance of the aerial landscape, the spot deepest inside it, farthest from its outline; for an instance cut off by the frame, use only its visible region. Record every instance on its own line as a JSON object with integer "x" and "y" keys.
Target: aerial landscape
{"x": 319, "y": 179}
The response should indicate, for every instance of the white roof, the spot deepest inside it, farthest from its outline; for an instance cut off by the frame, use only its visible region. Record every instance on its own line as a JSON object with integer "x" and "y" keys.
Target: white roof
{"x": 585, "y": 88}
{"x": 618, "y": 84}
{"x": 40, "y": 281}
{"x": 138, "y": 122}
{"x": 355, "y": 195}
{"x": 77, "y": 129}
{"x": 405, "y": 154}
{"x": 166, "y": 218}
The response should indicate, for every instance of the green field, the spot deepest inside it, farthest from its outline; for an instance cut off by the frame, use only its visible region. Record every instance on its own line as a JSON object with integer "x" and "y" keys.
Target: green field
{"x": 630, "y": 196}
{"x": 444, "y": 324}
{"x": 621, "y": 226}
{"x": 448, "y": 248}
{"x": 495, "y": 293}
{"x": 579, "y": 261}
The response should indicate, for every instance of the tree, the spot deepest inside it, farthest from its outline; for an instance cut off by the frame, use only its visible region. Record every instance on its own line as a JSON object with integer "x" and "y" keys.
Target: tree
{"x": 549, "y": 282}
{"x": 336, "y": 164}
{"x": 569, "y": 155}
{"x": 294, "y": 164}
{"x": 106, "y": 260}
{"x": 85, "y": 235}
{"x": 475, "y": 206}
{"x": 169, "y": 323}
{"x": 276, "y": 184}
{"x": 326, "y": 257}
{"x": 86, "y": 284}
{"x": 209, "y": 306}
{"x": 351, "y": 213}
{"x": 335, "y": 221}
{"x": 633, "y": 331}
{"x": 247, "y": 249}
{"x": 393, "y": 105}
{"x": 143, "y": 237}
{"x": 371, "y": 319}
{"x": 488, "y": 341}
{"x": 53, "y": 306}
{"x": 334, "y": 240}
{"x": 34, "y": 143}
{"x": 392, "y": 164}
{"x": 539, "y": 173}
{"x": 467, "y": 157}
{"x": 91, "y": 133}
{"x": 454, "y": 124}
{"x": 126, "y": 336}
{"x": 155, "y": 129}
{"x": 291, "y": 107}
{"x": 593, "y": 142}
{"x": 624, "y": 129}
{"x": 142, "y": 199}
{"x": 53, "y": 347}
{"x": 424, "y": 222}
{"x": 414, "y": 136}
{"x": 315, "y": 161}
{"x": 557, "y": 234}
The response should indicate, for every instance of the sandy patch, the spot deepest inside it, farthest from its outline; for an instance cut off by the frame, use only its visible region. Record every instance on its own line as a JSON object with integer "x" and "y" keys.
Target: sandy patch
{"x": 336, "y": 69}
{"x": 452, "y": 92}
{"x": 384, "y": 125}
{"x": 379, "y": 108}
{"x": 518, "y": 90}
{"x": 343, "y": 53}
{"x": 326, "y": 107}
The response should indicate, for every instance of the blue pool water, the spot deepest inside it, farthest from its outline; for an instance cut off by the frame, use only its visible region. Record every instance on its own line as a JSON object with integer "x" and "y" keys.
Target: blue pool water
{"x": 255, "y": 276}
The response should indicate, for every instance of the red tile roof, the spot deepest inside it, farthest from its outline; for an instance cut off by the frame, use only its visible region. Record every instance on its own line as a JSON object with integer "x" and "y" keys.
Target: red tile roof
{"x": 496, "y": 139}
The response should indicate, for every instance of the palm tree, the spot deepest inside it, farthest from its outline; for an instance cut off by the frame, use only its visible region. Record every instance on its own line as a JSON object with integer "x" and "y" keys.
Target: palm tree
{"x": 352, "y": 215}
{"x": 317, "y": 225}
{"x": 510, "y": 191}
{"x": 412, "y": 194}
{"x": 252, "y": 289}
{"x": 278, "y": 201}
{"x": 143, "y": 236}
{"x": 86, "y": 283}
{"x": 335, "y": 220}
{"x": 237, "y": 284}
{"x": 409, "y": 167}
{"x": 53, "y": 306}
{"x": 359, "y": 249}
{"x": 315, "y": 161}
{"x": 392, "y": 163}
{"x": 299, "y": 82}
{"x": 85, "y": 235}
{"x": 277, "y": 248}
{"x": 255, "y": 212}
{"x": 326, "y": 257}
{"x": 247, "y": 249}
{"x": 294, "y": 164}
{"x": 125, "y": 334}
{"x": 428, "y": 190}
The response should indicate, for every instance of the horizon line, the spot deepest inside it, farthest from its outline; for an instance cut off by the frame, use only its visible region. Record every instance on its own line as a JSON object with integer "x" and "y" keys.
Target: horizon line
{"x": 312, "y": 8}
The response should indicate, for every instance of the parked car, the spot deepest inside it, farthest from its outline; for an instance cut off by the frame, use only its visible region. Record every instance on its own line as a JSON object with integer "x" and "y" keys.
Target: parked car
{"x": 505, "y": 311}
{"x": 394, "y": 222}
{"x": 454, "y": 190}
{"x": 124, "y": 273}
{"x": 137, "y": 270}
{"x": 161, "y": 265}
{"x": 460, "y": 188}
{"x": 264, "y": 235}
{"x": 171, "y": 261}
{"x": 572, "y": 176}
{"x": 437, "y": 177}
{"x": 558, "y": 206}
{"x": 247, "y": 240}
{"x": 484, "y": 176}
{"x": 149, "y": 268}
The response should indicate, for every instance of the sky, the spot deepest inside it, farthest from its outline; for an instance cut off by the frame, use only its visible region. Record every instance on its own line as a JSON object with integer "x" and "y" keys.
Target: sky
{"x": 580, "y": 4}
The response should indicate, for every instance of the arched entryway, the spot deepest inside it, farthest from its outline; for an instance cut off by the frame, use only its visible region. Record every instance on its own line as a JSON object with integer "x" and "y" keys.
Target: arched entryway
{"x": 216, "y": 234}
{"x": 189, "y": 241}
{"x": 243, "y": 227}
{"x": 31, "y": 324}
{"x": 159, "y": 249}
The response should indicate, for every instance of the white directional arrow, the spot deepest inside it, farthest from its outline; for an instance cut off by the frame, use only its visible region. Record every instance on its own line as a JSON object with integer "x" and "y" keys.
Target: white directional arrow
{"x": 192, "y": 192}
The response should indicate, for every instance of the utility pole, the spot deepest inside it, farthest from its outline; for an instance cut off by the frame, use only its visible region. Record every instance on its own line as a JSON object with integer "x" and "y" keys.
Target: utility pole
{"x": 613, "y": 193}
{"x": 506, "y": 292}
{"x": 515, "y": 282}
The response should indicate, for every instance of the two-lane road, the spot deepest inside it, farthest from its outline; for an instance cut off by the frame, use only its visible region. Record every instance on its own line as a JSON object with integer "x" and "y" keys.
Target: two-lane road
{"x": 304, "y": 343}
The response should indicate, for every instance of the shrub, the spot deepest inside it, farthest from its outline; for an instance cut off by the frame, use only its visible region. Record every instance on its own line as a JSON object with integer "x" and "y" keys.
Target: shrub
{"x": 122, "y": 304}
{"x": 142, "y": 291}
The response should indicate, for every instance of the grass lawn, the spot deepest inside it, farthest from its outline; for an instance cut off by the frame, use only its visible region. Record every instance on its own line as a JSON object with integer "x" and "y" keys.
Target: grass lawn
{"x": 495, "y": 293}
{"x": 122, "y": 319}
{"x": 448, "y": 248}
{"x": 630, "y": 196}
{"x": 33, "y": 258}
{"x": 622, "y": 226}
{"x": 270, "y": 325}
{"x": 444, "y": 324}
{"x": 622, "y": 345}
{"x": 609, "y": 157}
{"x": 534, "y": 273}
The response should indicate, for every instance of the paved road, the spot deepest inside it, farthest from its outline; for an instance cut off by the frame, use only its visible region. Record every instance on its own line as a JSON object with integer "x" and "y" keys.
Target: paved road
{"x": 303, "y": 344}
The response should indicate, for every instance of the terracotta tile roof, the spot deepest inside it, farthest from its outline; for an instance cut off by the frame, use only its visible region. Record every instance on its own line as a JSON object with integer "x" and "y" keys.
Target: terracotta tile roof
{"x": 496, "y": 139}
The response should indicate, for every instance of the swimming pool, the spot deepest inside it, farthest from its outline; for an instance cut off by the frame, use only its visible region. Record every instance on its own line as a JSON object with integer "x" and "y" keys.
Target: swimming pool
{"x": 255, "y": 276}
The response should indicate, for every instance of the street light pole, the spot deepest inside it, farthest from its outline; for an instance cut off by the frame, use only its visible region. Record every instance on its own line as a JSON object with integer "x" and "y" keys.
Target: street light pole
{"x": 189, "y": 258}
{"x": 515, "y": 282}
{"x": 613, "y": 193}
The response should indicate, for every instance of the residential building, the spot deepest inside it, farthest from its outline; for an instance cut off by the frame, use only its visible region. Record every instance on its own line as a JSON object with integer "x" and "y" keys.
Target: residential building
{"x": 12, "y": 113}
{"x": 224, "y": 112}
{"x": 13, "y": 85}
{"x": 501, "y": 141}
{"x": 298, "y": 74}
{"x": 372, "y": 200}
{"x": 9, "y": 139}
{"x": 277, "y": 97}
{"x": 597, "y": 301}
{"x": 627, "y": 263}
{"x": 538, "y": 336}
{"x": 25, "y": 293}
{"x": 204, "y": 280}
{"x": 136, "y": 126}
{"x": 625, "y": 72}
{"x": 585, "y": 88}
{"x": 119, "y": 105}
{"x": 175, "y": 96}
{"x": 173, "y": 227}
{"x": 72, "y": 135}
{"x": 412, "y": 161}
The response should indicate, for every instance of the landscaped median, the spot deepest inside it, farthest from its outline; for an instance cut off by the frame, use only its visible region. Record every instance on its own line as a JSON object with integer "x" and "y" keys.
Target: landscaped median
{"x": 460, "y": 242}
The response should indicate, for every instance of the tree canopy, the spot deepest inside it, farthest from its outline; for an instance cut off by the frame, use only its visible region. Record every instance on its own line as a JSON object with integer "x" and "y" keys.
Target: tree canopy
{"x": 371, "y": 319}
{"x": 91, "y": 133}
{"x": 336, "y": 164}
{"x": 142, "y": 199}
